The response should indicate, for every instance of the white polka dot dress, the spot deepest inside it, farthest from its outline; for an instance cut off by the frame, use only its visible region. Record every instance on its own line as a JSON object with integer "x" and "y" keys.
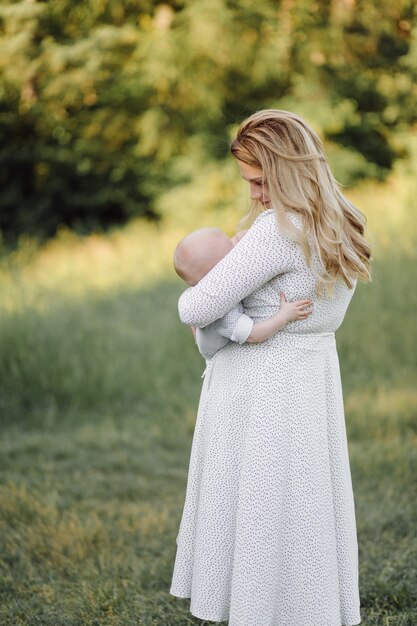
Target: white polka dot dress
{"x": 268, "y": 533}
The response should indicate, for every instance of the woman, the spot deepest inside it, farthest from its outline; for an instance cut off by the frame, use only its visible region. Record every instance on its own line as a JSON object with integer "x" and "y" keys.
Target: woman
{"x": 268, "y": 532}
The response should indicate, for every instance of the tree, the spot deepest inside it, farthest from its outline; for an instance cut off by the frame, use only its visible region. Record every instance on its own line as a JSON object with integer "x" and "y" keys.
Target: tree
{"x": 100, "y": 103}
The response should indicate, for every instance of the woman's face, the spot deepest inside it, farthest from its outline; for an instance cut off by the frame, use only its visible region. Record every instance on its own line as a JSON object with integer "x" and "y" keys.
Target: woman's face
{"x": 258, "y": 190}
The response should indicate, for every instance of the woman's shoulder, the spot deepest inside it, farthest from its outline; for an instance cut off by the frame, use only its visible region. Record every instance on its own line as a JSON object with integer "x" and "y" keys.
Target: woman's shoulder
{"x": 265, "y": 214}
{"x": 268, "y": 219}
{"x": 270, "y": 213}
{"x": 266, "y": 222}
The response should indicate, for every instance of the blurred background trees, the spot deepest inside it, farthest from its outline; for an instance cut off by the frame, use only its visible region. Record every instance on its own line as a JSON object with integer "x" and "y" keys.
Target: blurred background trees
{"x": 107, "y": 105}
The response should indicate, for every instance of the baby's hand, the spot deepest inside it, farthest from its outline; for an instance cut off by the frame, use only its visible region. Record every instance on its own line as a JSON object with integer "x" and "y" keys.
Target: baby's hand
{"x": 297, "y": 310}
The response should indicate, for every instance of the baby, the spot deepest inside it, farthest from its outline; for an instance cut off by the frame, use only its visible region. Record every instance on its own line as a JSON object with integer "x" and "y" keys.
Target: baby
{"x": 195, "y": 255}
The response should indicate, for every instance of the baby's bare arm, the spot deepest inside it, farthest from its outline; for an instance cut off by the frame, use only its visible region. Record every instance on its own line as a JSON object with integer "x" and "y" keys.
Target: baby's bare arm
{"x": 289, "y": 312}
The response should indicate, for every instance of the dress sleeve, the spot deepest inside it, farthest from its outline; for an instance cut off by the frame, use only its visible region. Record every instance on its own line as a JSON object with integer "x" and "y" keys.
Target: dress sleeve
{"x": 259, "y": 256}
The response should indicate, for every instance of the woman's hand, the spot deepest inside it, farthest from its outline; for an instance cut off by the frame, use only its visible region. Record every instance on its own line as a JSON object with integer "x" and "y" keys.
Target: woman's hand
{"x": 297, "y": 310}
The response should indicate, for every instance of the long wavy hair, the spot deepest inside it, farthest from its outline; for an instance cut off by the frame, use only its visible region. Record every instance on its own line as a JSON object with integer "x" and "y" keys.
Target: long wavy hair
{"x": 298, "y": 179}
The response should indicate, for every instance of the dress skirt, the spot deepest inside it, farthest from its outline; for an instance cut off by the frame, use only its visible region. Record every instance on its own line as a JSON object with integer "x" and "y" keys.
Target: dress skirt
{"x": 268, "y": 532}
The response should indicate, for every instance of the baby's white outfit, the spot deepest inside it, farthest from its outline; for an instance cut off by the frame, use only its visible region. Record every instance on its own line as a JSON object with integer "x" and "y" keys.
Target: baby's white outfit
{"x": 234, "y": 326}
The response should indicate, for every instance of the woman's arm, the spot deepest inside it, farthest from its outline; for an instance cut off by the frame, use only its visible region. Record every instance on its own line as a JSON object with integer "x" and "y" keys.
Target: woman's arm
{"x": 259, "y": 256}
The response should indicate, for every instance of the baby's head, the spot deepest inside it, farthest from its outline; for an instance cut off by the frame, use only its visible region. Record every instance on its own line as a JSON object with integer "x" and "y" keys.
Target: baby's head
{"x": 199, "y": 252}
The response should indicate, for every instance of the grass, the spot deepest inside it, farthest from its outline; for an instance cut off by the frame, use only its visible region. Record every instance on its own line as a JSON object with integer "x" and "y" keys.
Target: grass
{"x": 99, "y": 384}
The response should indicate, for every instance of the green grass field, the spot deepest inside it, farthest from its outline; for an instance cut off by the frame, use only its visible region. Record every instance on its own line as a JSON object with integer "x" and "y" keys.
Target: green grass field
{"x": 99, "y": 385}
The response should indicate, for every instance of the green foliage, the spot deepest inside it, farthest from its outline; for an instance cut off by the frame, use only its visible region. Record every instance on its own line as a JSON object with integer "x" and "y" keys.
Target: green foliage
{"x": 98, "y": 100}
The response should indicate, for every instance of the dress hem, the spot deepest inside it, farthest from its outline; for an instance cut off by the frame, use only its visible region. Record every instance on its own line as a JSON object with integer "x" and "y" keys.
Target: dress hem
{"x": 209, "y": 619}
{"x": 219, "y": 619}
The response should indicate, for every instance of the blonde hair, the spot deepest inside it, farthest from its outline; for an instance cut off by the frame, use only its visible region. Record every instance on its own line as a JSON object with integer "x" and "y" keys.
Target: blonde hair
{"x": 298, "y": 178}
